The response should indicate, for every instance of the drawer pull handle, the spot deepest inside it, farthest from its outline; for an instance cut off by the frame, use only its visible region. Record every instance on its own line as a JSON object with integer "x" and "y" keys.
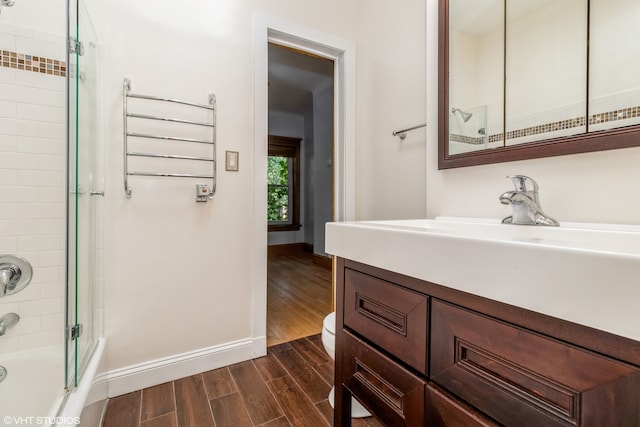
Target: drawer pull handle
{"x": 529, "y": 386}
{"x": 383, "y": 314}
{"x": 378, "y": 386}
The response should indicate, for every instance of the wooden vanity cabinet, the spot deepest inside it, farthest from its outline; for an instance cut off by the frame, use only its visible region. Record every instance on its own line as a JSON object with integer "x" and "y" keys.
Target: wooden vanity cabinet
{"x": 420, "y": 354}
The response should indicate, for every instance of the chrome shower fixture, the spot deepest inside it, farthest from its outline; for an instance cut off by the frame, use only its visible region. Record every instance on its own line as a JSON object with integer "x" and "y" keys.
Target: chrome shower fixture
{"x": 465, "y": 116}
{"x": 7, "y": 3}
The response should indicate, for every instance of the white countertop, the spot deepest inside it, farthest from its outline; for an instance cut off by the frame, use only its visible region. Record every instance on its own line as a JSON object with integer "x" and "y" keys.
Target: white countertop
{"x": 584, "y": 273}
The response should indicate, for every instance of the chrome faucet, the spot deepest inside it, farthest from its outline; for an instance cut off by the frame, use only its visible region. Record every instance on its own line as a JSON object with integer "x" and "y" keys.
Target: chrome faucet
{"x": 525, "y": 203}
{"x": 7, "y": 321}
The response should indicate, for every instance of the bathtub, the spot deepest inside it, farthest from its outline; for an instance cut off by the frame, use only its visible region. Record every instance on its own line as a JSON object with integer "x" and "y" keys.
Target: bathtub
{"x": 34, "y": 382}
{"x": 33, "y": 390}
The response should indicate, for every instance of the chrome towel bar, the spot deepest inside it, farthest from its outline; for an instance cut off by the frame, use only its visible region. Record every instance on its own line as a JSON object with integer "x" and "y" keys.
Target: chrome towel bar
{"x": 168, "y": 119}
{"x": 403, "y": 133}
{"x": 132, "y": 138}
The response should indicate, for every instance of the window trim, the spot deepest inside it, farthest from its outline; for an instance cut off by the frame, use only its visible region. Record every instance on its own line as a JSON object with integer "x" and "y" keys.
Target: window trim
{"x": 285, "y": 146}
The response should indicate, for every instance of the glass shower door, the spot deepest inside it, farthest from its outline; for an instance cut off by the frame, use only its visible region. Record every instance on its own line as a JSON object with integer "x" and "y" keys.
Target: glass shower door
{"x": 84, "y": 192}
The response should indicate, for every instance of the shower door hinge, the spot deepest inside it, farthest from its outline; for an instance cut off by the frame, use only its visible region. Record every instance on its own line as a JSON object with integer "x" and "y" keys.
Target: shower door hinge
{"x": 75, "y": 46}
{"x": 74, "y": 331}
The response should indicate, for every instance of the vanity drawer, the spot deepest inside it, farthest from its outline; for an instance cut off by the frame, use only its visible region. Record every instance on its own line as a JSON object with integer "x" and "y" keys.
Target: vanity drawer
{"x": 392, "y": 317}
{"x": 443, "y": 410}
{"x": 518, "y": 377}
{"x": 396, "y": 395}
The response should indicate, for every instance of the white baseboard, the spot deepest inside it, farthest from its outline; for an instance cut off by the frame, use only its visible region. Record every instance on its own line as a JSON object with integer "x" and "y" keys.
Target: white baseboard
{"x": 159, "y": 371}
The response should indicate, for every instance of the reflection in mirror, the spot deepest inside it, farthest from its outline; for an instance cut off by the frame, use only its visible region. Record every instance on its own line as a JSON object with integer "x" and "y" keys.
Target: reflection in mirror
{"x": 546, "y": 77}
{"x": 568, "y": 84}
{"x": 476, "y": 78}
{"x": 614, "y": 64}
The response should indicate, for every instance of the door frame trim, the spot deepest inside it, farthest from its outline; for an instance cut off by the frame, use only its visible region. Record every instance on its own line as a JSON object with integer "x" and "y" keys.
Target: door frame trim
{"x": 343, "y": 53}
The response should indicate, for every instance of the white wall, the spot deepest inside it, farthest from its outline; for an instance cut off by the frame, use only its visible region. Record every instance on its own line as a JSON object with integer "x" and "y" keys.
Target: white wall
{"x": 391, "y": 96}
{"x": 592, "y": 187}
{"x": 177, "y": 276}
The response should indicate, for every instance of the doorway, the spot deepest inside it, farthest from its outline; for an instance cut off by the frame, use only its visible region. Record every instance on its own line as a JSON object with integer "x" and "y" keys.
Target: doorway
{"x": 343, "y": 53}
{"x": 299, "y": 191}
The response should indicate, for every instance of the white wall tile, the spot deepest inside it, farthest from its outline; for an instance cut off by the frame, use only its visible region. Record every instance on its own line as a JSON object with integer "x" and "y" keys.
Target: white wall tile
{"x": 38, "y": 48}
{"x": 40, "y": 339}
{"x": 20, "y": 160}
{"x": 40, "y": 145}
{"x": 40, "y": 210}
{"x": 7, "y": 143}
{"x": 51, "y": 130}
{"x": 41, "y": 113}
{"x": 18, "y": 227}
{"x": 27, "y": 325}
{"x": 13, "y": 92}
{"x": 52, "y": 258}
{"x": 15, "y": 30}
{"x": 7, "y": 42}
{"x": 7, "y": 75}
{"x": 53, "y": 98}
{"x": 41, "y": 243}
{"x": 49, "y": 306}
{"x": 8, "y": 244}
{"x": 48, "y": 275}
{"x": 8, "y": 109}
{"x": 8, "y": 345}
{"x": 8, "y": 211}
{"x": 8, "y": 176}
{"x": 17, "y": 194}
{"x": 52, "y": 322}
{"x": 51, "y": 162}
{"x": 18, "y": 127}
{"x": 49, "y": 290}
{"x": 41, "y": 178}
{"x": 39, "y": 80}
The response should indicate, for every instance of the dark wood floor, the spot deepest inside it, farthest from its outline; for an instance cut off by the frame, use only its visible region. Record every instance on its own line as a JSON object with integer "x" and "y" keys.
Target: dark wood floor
{"x": 287, "y": 387}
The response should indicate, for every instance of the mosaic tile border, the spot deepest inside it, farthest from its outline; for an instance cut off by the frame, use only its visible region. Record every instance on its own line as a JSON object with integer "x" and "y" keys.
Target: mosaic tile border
{"x": 36, "y": 64}
{"x": 594, "y": 119}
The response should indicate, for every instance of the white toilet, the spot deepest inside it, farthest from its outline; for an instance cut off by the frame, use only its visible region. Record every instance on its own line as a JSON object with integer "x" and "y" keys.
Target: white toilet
{"x": 329, "y": 343}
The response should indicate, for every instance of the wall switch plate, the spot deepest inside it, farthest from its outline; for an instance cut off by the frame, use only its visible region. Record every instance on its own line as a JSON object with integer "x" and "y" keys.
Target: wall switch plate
{"x": 202, "y": 193}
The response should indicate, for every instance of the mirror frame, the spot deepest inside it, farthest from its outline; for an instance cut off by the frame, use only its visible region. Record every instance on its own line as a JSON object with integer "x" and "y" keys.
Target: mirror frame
{"x": 624, "y": 137}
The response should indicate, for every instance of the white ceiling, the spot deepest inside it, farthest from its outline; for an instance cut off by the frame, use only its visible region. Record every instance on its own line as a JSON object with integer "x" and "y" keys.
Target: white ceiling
{"x": 293, "y": 77}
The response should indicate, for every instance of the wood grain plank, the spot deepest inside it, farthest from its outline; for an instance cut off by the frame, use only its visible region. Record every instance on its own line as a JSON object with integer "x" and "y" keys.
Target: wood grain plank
{"x": 325, "y": 409}
{"x": 166, "y": 420}
{"x": 260, "y": 403}
{"x": 124, "y": 411}
{"x": 295, "y": 403}
{"x": 303, "y": 373}
{"x": 279, "y": 422}
{"x": 269, "y": 366}
{"x": 218, "y": 383}
{"x": 310, "y": 352}
{"x": 192, "y": 405}
{"x": 298, "y": 297}
{"x": 157, "y": 400}
{"x": 229, "y": 411}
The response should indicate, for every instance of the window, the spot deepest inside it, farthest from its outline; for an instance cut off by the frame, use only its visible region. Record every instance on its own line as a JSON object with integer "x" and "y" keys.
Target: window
{"x": 283, "y": 184}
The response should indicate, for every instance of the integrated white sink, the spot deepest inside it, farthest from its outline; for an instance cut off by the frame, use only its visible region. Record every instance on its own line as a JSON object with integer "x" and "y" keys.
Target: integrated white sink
{"x": 585, "y": 273}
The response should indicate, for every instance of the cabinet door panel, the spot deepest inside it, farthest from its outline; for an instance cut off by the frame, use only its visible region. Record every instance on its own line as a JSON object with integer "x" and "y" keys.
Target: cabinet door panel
{"x": 391, "y": 316}
{"x": 395, "y": 394}
{"x": 521, "y": 378}
{"x": 443, "y": 410}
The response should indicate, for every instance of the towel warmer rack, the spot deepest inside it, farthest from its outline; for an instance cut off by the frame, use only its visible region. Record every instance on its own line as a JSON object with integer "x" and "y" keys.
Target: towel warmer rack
{"x": 202, "y": 191}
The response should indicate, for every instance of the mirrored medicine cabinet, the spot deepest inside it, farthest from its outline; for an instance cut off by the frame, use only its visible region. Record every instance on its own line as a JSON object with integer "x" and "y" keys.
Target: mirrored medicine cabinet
{"x": 524, "y": 79}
